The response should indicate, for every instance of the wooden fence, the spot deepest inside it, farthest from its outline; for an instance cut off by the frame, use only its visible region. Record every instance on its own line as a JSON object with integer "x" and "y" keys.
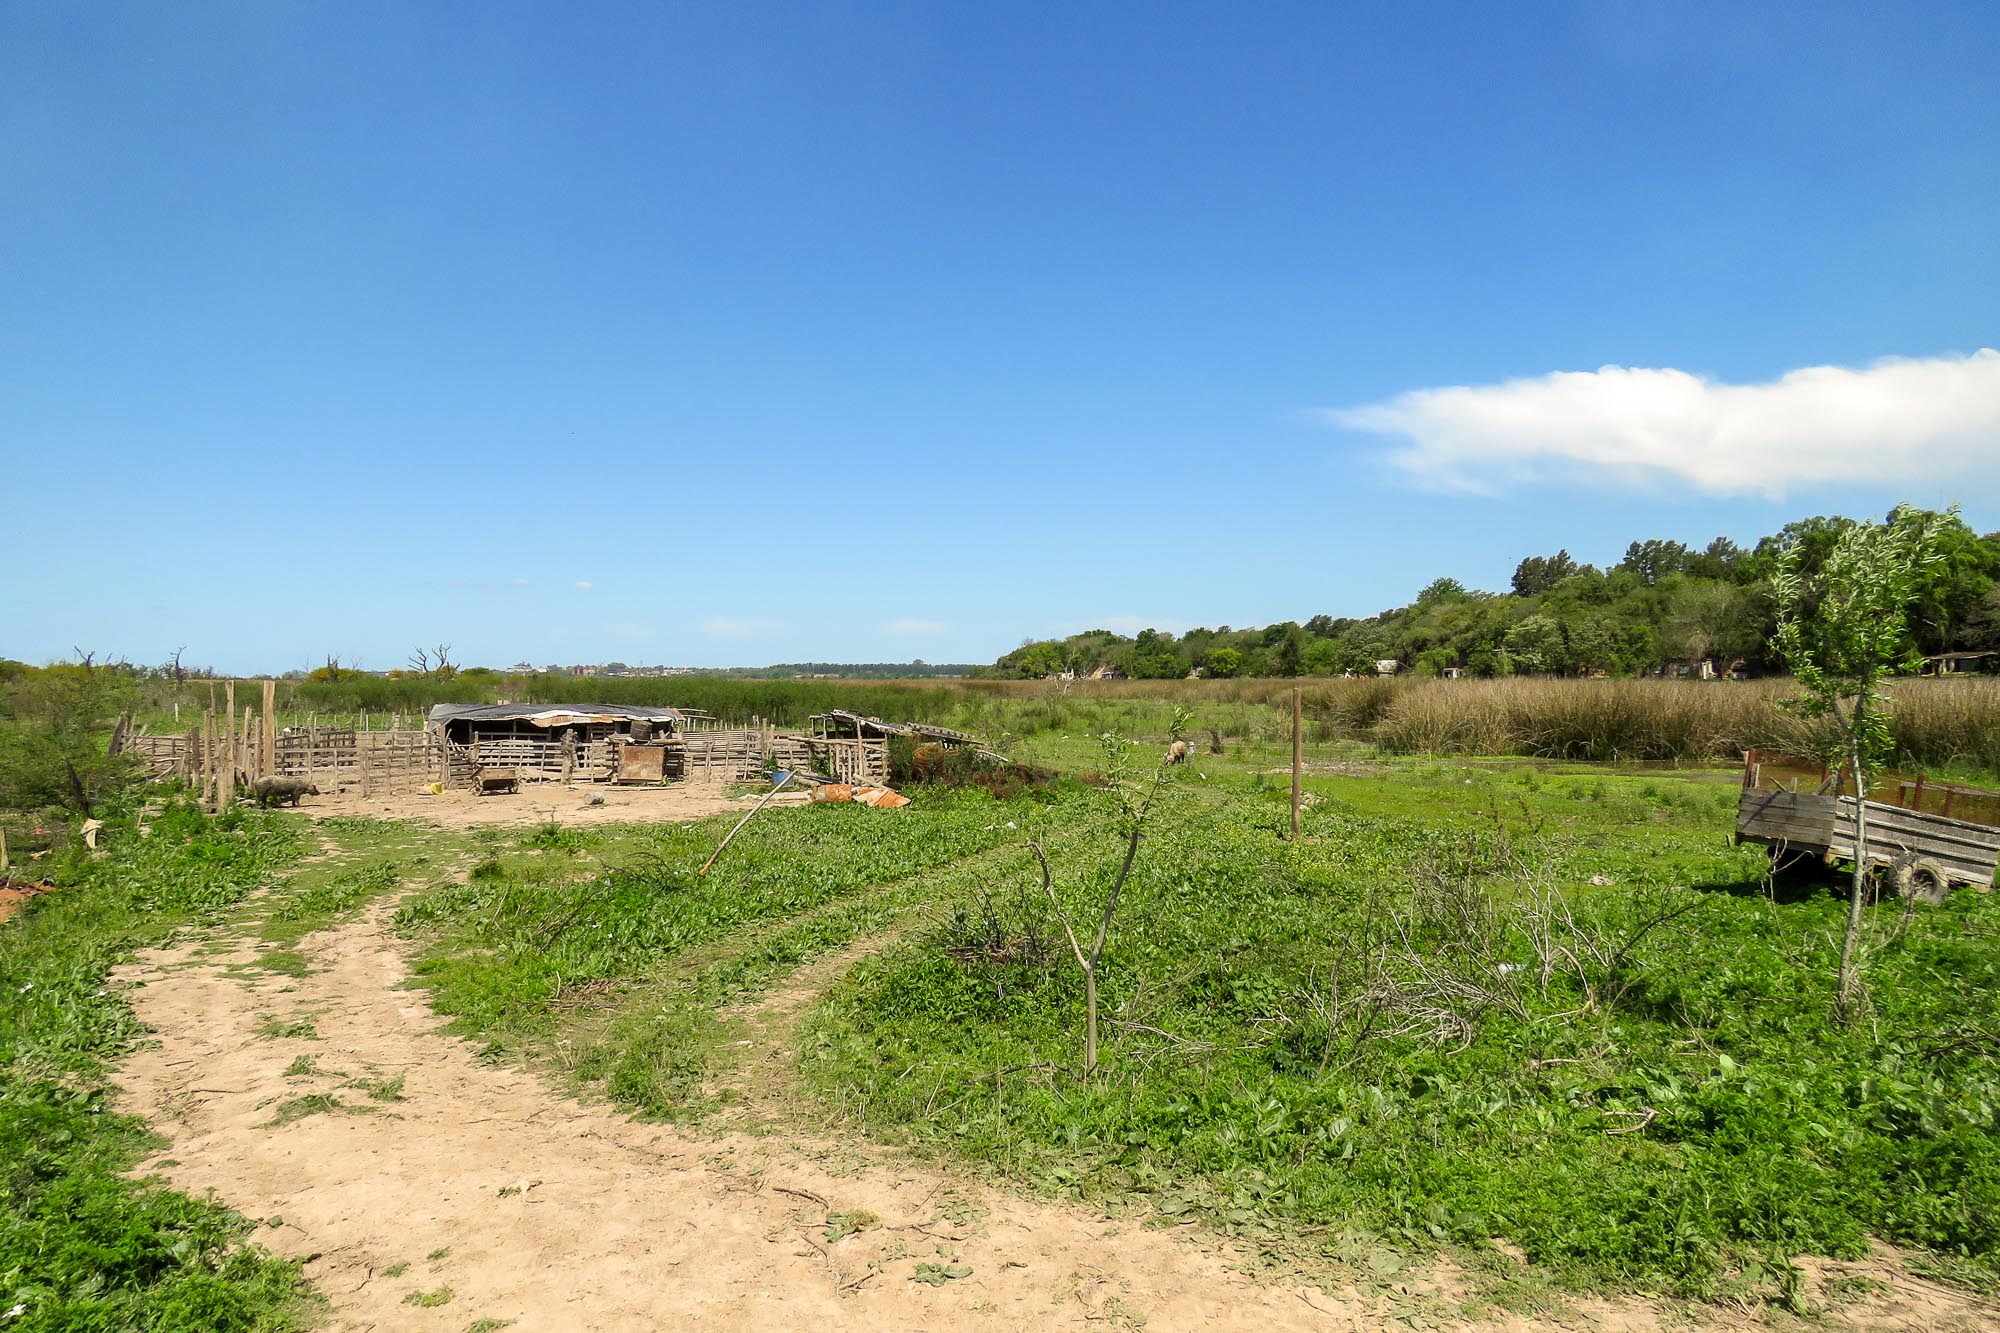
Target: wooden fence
{"x": 228, "y": 751}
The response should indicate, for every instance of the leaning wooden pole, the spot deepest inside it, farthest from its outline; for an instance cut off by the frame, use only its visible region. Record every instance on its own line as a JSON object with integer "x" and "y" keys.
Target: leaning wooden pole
{"x": 741, "y": 822}
{"x": 1298, "y": 756}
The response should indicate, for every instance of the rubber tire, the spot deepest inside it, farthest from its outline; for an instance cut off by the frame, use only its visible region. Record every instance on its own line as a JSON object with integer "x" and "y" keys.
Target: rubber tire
{"x": 1919, "y": 879}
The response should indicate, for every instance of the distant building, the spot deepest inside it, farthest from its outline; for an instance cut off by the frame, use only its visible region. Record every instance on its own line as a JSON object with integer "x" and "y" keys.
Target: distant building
{"x": 1953, "y": 664}
{"x": 1387, "y": 666}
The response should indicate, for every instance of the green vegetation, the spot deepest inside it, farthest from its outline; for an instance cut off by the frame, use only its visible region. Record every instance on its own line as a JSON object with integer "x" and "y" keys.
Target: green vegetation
{"x": 81, "y": 1246}
{"x": 1474, "y": 1001}
{"x": 1426, "y": 1026}
{"x": 1664, "y": 606}
{"x": 616, "y": 974}
{"x": 55, "y": 726}
{"x": 1842, "y": 633}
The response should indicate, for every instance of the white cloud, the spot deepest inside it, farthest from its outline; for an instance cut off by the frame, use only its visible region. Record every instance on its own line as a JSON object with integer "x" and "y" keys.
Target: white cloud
{"x": 908, "y": 628}
{"x": 520, "y": 583}
{"x": 738, "y": 629}
{"x": 1894, "y": 421}
{"x": 584, "y": 584}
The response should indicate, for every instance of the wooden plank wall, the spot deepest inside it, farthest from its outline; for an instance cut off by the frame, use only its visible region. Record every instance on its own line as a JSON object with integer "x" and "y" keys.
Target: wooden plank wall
{"x": 1967, "y": 851}
{"x": 1783, "y": 818}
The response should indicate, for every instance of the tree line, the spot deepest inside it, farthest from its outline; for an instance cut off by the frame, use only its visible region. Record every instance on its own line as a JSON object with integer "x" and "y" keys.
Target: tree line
{"x": 1665, "y": 605}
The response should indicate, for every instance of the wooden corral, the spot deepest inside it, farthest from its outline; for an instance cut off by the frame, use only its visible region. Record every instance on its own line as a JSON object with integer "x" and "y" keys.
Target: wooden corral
{"x": 537, "y": 743}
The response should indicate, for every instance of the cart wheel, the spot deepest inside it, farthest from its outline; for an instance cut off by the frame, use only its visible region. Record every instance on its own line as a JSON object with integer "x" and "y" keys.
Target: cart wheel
{"x": 1919, "y": 879}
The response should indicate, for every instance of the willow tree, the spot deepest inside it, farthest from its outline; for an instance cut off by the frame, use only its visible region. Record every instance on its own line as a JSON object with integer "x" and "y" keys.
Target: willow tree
{"x": 1843, "y": 630}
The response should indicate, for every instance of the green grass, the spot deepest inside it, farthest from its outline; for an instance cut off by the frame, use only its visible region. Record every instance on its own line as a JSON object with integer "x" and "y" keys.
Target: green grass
{"x": 627, "y": 967}
{"x": 1344, "y": 1047}
{"x": 82, "y": 1246}
{"x": 1427, "y": 1025}
{"x": 1544, "y": 1003}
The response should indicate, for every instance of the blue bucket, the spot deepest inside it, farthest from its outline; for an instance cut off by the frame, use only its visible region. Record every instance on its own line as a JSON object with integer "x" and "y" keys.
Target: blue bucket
{"x": 779, "y": 777}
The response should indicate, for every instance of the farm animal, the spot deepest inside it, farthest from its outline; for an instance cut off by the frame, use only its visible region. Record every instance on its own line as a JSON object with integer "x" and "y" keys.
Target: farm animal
{"x": 1177, "y": 753}
{"x": 267, "y": 790}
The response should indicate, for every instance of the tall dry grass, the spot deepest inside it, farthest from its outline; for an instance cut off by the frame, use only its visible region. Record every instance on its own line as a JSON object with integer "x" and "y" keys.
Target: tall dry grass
{"x": 1948, "y": 723}
{"x": 1936, "y": 724}
{"x": 1633, "y": 720}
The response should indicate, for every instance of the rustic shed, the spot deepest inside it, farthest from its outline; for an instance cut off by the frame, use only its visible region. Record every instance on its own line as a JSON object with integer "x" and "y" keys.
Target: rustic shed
{"x": 467, "y": 724}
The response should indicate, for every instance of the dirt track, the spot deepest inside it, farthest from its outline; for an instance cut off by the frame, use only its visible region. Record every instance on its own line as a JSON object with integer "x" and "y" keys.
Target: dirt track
{"x": 533, "y": 804}
{"x": 562, "y": 1216}
{"x": 486, "y": 1193}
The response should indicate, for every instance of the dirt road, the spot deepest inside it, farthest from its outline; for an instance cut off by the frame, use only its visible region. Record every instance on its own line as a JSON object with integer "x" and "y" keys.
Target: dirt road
{"x": 429, "y": 1190}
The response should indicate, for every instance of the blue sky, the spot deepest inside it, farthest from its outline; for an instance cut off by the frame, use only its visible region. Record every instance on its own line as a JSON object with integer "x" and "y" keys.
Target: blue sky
{"x": 731, "y": 333}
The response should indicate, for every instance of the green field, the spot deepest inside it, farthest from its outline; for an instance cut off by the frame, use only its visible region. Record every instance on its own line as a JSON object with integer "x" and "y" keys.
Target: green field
{"x": 1540, "y": 1017}
{"x": 1475, "y": 1001}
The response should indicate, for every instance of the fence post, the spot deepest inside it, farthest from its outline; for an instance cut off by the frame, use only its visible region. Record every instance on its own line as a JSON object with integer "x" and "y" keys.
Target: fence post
{"x": 228, "y": 744}
{"x": 267, "y": 758}
{"x": 1298, "y": 754}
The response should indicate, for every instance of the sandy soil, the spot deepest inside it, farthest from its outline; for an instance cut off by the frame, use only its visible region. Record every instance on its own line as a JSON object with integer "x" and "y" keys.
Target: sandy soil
{"x": 535, "y": 802}
{"x": 482, "y": 1190}
{"x": 13, "y": 893}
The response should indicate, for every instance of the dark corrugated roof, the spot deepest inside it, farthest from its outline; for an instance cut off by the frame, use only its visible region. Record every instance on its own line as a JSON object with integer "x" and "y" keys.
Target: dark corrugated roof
{"x": 551, "y": 715}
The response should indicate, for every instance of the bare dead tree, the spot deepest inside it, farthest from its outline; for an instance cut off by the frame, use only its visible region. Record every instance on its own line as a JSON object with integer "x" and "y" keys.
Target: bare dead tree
{"x": 180, "y": 672}
{"x": 434, "y": 662}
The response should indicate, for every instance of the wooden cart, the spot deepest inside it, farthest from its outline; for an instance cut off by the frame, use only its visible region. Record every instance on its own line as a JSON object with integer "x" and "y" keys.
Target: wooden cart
{"x": 1923, "y": 837}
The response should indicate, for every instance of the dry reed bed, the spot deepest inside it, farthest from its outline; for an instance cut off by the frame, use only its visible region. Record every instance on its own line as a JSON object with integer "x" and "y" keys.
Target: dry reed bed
{"x": 1938, "y": 724}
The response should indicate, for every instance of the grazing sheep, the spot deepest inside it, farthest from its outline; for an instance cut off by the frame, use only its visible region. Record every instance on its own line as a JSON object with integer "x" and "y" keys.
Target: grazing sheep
{"x": 1177, "y": 753}
{"x": 267, "y": 790}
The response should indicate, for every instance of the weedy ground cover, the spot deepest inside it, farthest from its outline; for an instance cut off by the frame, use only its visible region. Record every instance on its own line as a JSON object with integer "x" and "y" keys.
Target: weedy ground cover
{"x": 81, "y": 1246}
{"x": 1477, "y": 1000}
{"x": 611, "y": 958}
{"x": 1470, "y": 1004}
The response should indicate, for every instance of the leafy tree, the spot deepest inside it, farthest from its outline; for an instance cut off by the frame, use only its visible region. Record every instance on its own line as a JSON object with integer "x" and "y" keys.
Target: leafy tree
{"x": 1701, "y": 617}
{"x": 1328, "y": 627}
{"x": 1720, "y": 560}
{"x": 1842, "y": 630}
{"x": 1949, "y": 590}
{"x": 1538, "y": 573}
{"x": 1982, "y": 623}
{"x": 56, "y": 750}
{"x": 333, "y": 671}
{"x": 1655, "y": 560}
{"x": 1289, "y": 659}
{"x": 1036, "y": 660}
{"x": 1441, "y": 590}
{"x": 1222, "y": 663}
{"x": 1537, "y": 644}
